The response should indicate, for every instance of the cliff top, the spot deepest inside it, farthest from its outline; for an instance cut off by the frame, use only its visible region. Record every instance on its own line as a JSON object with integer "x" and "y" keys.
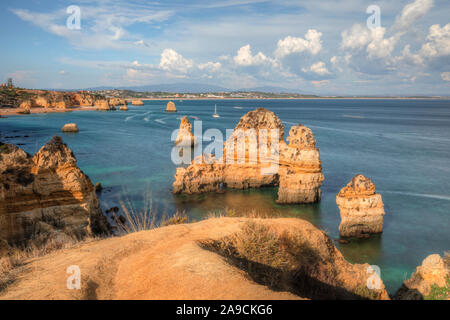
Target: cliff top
{"x": 182, "y": 262}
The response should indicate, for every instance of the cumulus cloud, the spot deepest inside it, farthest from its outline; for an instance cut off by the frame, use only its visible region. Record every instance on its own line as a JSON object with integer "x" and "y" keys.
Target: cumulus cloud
{"x": 172, "y": 61}
{"x": 210, "y": 66}
{"x": 411, "y": 13}
{"x": 372, "y": 40}
{"x": 312, "y": 43}
{"x": 317, "y": 68}
{"x": 445, "y": 76}
{"x": 245, "y": 58}
{"x": 438, "y": 42}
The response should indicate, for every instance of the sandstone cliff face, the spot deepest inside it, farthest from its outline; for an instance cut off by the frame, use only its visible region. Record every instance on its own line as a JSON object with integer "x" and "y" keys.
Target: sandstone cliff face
{"x": 171, "y": 107}
{"x": 434, "y": 271}
{"x": 115, "y": 102}
{"x": 28, "y": 99}
{"x": 102, "y": 105}
{"x": 361, "y": 209}
{"x": 46, "y": 196}
{"x": 296, "y": 167}
{"x": 185, "y": 137}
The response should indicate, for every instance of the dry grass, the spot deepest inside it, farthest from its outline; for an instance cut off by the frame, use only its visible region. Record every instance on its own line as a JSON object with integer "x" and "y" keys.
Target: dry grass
{"x": 231, "y": 213}
{"x": 145, "y": 219}
{"x": 17, "y": 256}
{"x": 282, "y": 261}
{"x": 269, "y": 258}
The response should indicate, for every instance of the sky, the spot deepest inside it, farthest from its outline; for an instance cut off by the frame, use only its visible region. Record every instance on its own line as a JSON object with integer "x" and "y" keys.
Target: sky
{"x": 337, "y": 47}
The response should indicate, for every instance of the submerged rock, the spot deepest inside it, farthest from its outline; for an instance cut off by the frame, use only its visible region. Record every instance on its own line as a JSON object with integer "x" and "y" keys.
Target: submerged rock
{"x": 185, "y": 137}
{"x": 171, "y": 107}
{"x": 433, "y": 271}
{"x": 46, "y": 195}
{"x": 361, "y": 209}
{"x": 70, "y": 127}
{"x": 296, "y": 167}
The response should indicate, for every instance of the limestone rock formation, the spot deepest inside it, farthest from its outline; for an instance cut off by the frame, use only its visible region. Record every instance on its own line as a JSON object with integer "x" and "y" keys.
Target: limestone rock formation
{"x": 115, "y": 102}
{"x": 434, "y": 271}
{"x": 70, "y": 127}
{"x": 173, "y": 263}
{"x": 102, "y": 105}
{"x": 252, "y": 159}
{"x": 361, "y": 209}
{"x": 24, "y": 109}
{"x": 137, "y": 103}
{"x": 84, "y": 99}
{"x": 124, "y": 108}
{"x": 185, "y": 137}
{"x": 171, "y": 107}
{"x": 46, "y": 196}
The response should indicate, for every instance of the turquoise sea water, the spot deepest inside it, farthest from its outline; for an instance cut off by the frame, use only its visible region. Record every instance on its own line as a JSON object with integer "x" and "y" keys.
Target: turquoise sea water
{"x": 402, "y": 145}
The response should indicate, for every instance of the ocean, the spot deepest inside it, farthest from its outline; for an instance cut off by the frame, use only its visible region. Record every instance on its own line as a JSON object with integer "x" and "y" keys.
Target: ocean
{"x": 402, "y": 145}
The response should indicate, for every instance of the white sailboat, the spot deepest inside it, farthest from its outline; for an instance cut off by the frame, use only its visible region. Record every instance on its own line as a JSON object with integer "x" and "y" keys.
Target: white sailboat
{"x": 215, "y": 115}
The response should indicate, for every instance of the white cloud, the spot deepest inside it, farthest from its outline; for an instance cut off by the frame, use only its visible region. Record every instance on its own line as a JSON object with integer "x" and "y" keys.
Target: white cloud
{"x": 438, "y": 42}
{"x": 245, "y": 58}
{"x": 312, "y": 43}
{"x": 172, "y": 61}
{"x": 373, "y": 40}
{"x": 104, "y": 25}
{"x": 318, "y": 68}
{"x": 210, "y": 66}
{"x": 411, "y": 13}
{"x": 445, "y": 76}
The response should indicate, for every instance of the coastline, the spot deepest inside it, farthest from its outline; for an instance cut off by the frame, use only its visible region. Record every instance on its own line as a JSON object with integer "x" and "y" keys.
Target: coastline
{"x": 5, "y": 112}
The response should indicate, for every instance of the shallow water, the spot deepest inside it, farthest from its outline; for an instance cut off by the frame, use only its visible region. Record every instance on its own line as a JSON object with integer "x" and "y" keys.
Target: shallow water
{"x": 402, "y": 145}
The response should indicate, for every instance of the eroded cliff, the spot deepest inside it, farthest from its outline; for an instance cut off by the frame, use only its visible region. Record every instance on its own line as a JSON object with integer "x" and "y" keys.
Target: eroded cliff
{"x": 46, "y": 196}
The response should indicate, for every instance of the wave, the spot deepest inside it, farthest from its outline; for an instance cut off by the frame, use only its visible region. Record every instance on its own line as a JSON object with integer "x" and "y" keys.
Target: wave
{"x": 239, "y": 108}
{"x": 422, "y": 195}
{"x": 131, "y": 117}
{"x": 160, "y": 121}
{"x": 353, "y": 116}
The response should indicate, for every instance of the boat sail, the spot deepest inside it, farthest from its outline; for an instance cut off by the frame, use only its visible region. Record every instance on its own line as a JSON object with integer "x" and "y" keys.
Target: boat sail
{"x": 215, "y": 115}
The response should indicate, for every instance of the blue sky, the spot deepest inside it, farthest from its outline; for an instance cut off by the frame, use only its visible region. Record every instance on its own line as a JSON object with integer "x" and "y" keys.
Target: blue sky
{"x": 323, "y": 47}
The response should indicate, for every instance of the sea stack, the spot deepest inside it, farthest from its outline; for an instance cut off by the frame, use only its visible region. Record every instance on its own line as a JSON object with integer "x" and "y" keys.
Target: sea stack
{"x": 296, "y": 167}
{"x": 70, "y": 127}
{"x": 301, "y": 174}
{"x": 137, "y": 103}
{"x": 361, "y": 209}
{"x": 434, "y": 271}
{"x": 185, "y": 137}
{"x": 102, "y": 105}
{"x": 46, "y": 197}
{"x": 171, "y": 107}
{"x": 124, "y": 108}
